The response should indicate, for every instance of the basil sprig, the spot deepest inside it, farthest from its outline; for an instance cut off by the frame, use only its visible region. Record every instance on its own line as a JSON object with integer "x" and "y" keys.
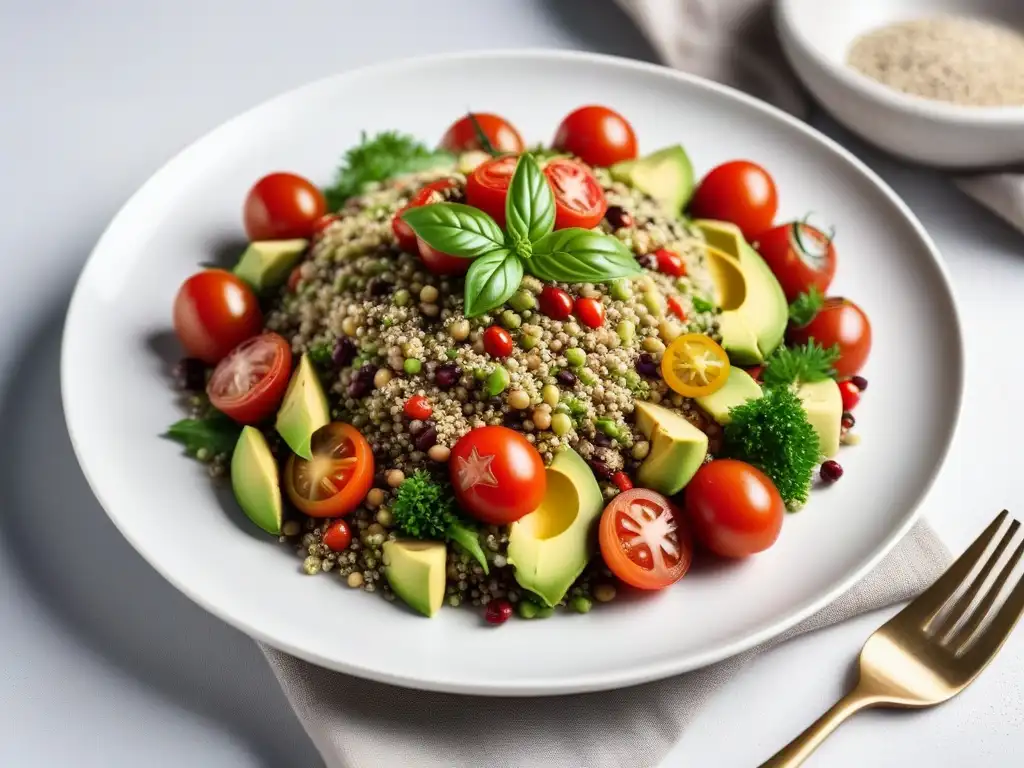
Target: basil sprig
{"x": 529, "y": 243}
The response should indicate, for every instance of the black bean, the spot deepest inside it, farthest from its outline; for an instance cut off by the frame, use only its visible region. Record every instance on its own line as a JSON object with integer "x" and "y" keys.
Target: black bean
{"x": 416, "y": 427}
{"x": 618, "y": 217}
{"x": 190, "y": 374}
{"x": 566, "y": 377}
{"x": 601, "y": 469}
{"x": 601, "y": 439}
{"x": 362, "y": 383}
{"x": 425, "y": 441}
{"x": 646, "y": 366}
{"x": 344, "y": 353}
{"x": 378, "y": 287}
{"x": 447, "y": 376}
{"x": 648, "y": 261}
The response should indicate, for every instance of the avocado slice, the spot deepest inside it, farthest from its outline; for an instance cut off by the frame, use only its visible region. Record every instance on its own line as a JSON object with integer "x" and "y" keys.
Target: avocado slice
{"x": 304, "y": 409}
{"x": 552, "y": 545}
{"x": 738, "y": 389}
{"x": 255, "y": 480}
{"x": 677, "y": 448}
{"x": 823, "y": 403}
{"x": 665, "y": 175}
{"x": 416, "y": 572}
{"x": 752, "y": 324}
{"x": 267, "y": 263}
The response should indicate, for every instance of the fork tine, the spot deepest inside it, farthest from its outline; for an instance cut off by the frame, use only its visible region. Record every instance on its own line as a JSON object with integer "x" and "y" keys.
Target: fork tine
{"x": 925, "y": 606}
{"x": 943, "y": 624}
{"x": 1007, "y": 616}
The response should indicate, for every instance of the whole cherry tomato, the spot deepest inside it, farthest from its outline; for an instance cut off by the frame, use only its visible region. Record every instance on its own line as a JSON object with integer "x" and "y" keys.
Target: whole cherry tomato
{"x": 282, "y": 206}
{"x": 597, "y": 135}
{"x": 840, "y": 322}
{"x": 738, "y": 191}
{"x": 801, "y": 257}
{"x": 214, "y": 312}
{"x": 463, "y": 135}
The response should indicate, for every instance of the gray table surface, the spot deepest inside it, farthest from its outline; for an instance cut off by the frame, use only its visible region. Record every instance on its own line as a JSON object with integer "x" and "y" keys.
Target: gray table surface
{"x": 104, "y": 664}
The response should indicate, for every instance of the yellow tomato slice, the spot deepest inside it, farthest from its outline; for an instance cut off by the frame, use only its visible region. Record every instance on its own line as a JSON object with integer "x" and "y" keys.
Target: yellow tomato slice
{"x": 695, "y": 366}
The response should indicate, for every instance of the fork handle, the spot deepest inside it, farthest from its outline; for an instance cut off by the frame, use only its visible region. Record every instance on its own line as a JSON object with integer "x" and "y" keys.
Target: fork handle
{"x": 800, "y": 748}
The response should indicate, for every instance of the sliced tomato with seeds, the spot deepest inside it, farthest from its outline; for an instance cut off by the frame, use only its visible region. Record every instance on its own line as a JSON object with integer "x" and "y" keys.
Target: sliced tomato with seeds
{"x": 250, "y": 382}
{"x": 338, "y": 477}
{"x": 579, "y": 198}
{"x": 487, "y": 186}
{"x": 644, "y": 539}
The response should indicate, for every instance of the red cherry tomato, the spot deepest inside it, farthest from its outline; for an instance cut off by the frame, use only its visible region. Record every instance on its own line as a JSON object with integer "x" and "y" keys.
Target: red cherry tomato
{"x": 426, "y": 195}
{"x": 497, "y": 475}
{"x": 800, "y": 262}
{"x": 442, "y": 263}
{"x": 418, "y": 407}
{"x": 840, "y": 322}
{"x": 294, "y": 279}
{"x": 555, "y": 303}
{"x": 597, "y": 135}
{"x": 590, "y": 312}
{"x": 738, "y": 191}
{"x": 337, "y": 478}
{"x": 670, "y": 262}
{"x": 850, "y": 394}
{"x": 338, "y": 536}
{"x": 622, "y": 481}
{"x": 250, "y": 382}
{"x": 734, "y": 508}
{"x": 675, "y": 306}
{"x": 214, "y": 312}
{"x": 281, "y": 206}
{"x": 579, "y": 197}
{"x": 644, "y": 539}
{"x": 462, "y": 135}
{"x": 497, "y": 342}
{"x": 487, "y": 186}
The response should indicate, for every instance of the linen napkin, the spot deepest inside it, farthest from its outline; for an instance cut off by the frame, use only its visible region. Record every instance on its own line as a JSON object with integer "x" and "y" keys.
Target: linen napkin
{"x": 733, "y": 42}
{"x": 356, "y": 723}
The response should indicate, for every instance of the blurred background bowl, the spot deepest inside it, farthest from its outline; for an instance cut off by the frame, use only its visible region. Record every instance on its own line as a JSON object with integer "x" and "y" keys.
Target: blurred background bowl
{"x": 816, "y": 37}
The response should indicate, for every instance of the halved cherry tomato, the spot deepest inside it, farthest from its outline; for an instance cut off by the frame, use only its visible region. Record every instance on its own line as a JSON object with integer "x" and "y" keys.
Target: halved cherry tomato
{"x": 426, "y": 195}
{"x": 622, "y": 481}
{"x": 694, "y": 365}
{"x": 734, "y": 508}
{"x": 579, "y": 198}
{"x": 462, "y": 135}
{"x": 597, "y": 135}
{"x": 497, "y": 475}
{"x": 487, "y": 186}
{"x": 281, "y": 206}
{"x": 670, "y": 262}
{"x": 214, "y": 312}
{"x": 800, "y": 256}
{"x": 840, "y": 322}
{"x": 738, "y": 191}
{"x": 336, "y": 480}
{"x": 644, "y": 539}
{"x": 675, "y": 306}
{"x": 250, "y": 382}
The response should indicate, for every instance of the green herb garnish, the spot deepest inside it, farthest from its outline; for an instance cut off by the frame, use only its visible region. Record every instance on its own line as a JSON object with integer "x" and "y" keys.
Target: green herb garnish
{"x": 773, "y": 433}
{"x": 485, "y": 143}
{"x": 805, "y": 307}
{"x": 215, "y": 434}
{"x": 425, "y": 509}
{"x": 529, "y": 244}
{"x": 386, "y": 155}
{"x": 321, "y": 354}
{"x": 702, "y": 305}
{"x": 800, "y": 364}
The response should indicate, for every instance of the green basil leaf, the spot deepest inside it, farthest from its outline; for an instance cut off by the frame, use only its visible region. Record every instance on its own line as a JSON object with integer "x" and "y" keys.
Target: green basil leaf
{"x": 217, "y": 434}
{"x": 529, "y": 205}
{"x": 577, "y": 255}
{"x": 491, "y": 281}
{"x": 455, "y": 229}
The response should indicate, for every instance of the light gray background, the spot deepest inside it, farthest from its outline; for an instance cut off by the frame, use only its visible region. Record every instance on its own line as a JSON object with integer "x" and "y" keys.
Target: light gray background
{"x": 103, "y": 663}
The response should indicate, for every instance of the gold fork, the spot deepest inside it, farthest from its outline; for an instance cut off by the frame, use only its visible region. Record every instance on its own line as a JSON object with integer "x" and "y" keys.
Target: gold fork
{"x": 925, "y": 655}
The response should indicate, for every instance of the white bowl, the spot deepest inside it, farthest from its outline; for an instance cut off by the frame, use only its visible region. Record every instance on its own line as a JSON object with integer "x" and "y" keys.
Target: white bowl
{"x": 816, "y": 37}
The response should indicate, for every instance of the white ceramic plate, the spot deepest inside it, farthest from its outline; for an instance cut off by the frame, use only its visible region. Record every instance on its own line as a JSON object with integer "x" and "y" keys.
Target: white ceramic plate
{"x": 117, "y": 400}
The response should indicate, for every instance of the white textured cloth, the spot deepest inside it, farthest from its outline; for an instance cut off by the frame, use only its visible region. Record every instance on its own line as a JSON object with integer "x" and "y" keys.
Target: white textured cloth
{"x": 360, "y": 724}
{"x": 733, "y": 42}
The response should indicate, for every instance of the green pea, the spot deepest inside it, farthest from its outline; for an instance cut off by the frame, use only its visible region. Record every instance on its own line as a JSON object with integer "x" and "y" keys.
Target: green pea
{"x": 544, "y": 612}
{"x": 621, "y": 290}
{"x": 528, "y": 341}
{"x": 480, "y": 374}
{"x": 451, "y": 354}
{"x": 652, "y": 304}
{"x": 581, "y": 604}
{"x": 550, "y": 394}
{"x": 561, "y": 424}
{"x": 587, "y": 377}
{"x": 412, "y": 366}
{"x": 527, "y": 609}
{"x": 401, "y": 297}
{"x": 497, "y": 381}
{"x": 522, "y": 300}
{"x": 576, "y": 357}
{"x": 626, "y": 331}
{"x": 510, "y": 319}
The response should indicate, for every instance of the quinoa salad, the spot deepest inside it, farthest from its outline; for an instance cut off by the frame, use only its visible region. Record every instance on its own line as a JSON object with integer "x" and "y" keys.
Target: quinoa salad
{"x": 519, "y": 378}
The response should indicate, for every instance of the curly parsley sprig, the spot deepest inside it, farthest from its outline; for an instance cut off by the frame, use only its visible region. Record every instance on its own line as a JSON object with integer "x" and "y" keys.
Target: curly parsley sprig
{"x": 801, "y": 364}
